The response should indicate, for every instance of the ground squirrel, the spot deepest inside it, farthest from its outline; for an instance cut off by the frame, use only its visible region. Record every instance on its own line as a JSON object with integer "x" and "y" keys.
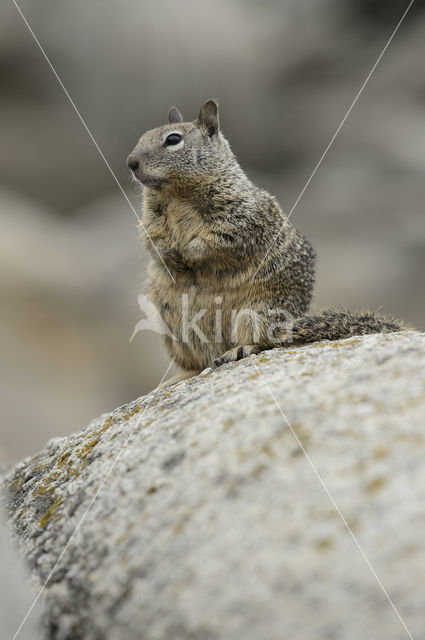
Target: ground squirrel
{"x": 224, "y": 253}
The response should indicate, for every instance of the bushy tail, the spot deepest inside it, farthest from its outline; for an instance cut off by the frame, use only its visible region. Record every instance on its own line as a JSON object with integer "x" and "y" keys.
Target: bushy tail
{"x": 332, "y": 324}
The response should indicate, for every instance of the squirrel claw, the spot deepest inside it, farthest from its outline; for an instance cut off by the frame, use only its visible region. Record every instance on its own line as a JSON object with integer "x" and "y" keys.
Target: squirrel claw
{"x": 233, "y": 355}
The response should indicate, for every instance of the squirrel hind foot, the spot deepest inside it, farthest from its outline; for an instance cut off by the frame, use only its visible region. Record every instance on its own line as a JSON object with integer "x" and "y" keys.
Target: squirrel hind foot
{"x": 233, "y": 355}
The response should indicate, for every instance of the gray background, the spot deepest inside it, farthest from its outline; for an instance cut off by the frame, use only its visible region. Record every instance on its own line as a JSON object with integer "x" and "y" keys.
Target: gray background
{"x": 285, "y": 73}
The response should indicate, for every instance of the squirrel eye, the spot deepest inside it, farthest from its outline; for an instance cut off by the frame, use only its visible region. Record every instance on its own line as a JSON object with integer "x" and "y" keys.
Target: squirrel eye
{"x": 173, "y": 138}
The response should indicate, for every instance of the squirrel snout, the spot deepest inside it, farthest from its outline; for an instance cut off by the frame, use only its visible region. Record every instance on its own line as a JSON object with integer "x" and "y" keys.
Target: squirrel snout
{"x": 132, "y": 162}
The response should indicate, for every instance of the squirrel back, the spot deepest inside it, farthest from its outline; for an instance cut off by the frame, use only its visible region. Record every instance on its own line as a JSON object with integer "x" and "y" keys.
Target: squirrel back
{"x": 230, "y": 275}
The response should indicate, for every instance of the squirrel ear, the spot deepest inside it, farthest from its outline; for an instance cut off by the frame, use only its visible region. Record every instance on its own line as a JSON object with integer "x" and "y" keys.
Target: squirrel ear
{"x": 174, "y": 115}
{"x": 208, "y": 117}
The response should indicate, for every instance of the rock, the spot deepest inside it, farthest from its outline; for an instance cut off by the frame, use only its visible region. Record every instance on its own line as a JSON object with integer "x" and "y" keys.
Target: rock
{"x": 17, "y": 597}
{"x": 214, "y": 508}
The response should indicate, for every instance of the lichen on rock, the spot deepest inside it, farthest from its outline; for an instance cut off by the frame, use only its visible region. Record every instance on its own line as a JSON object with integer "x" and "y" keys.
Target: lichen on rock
{"x": 197, "y": 511}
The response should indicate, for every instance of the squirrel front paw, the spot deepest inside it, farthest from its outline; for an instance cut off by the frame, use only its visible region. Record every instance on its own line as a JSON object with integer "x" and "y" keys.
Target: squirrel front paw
{"x": 173, "y": 259}
{"x": 169, "y": 256}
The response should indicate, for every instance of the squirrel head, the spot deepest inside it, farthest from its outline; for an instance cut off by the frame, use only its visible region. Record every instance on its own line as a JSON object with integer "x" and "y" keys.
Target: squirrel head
{"x": 181, "y": 153}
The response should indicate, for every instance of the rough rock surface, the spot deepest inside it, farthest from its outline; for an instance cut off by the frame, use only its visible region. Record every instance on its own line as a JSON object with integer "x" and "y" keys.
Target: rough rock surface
{"x": 210, "y": 521}
{"x": 16, "y": 595}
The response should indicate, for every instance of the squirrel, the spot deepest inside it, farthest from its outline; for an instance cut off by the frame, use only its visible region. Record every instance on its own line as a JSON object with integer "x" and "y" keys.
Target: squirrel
{"x": 223, "y": 250}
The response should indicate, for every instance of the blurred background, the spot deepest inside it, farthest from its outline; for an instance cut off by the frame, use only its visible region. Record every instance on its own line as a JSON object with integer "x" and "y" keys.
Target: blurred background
{"x": 285, "y": 73}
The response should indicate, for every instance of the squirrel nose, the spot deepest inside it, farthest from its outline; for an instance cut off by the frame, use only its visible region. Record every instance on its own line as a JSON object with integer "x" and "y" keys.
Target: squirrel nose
{"x": 132, "y": 162}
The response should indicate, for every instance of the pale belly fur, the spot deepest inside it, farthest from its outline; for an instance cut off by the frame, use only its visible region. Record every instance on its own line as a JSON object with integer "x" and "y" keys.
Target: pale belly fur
{"x": 204, "y": 320}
